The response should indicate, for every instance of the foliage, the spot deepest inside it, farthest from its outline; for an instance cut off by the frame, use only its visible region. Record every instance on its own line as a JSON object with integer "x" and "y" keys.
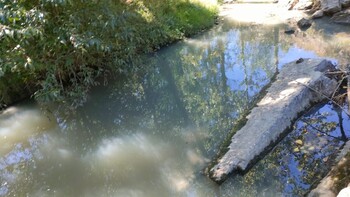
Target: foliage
{"x": 62, "y": 45}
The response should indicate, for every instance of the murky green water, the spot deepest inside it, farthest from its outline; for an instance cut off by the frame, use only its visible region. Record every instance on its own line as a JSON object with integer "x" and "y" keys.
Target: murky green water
{"x": 152, "y": 132}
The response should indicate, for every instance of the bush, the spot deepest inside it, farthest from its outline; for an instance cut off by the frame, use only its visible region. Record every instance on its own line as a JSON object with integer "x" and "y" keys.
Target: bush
{"x": 58, "y": 47}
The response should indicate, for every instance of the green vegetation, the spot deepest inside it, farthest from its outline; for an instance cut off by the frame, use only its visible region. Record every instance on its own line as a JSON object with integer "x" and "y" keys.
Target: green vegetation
{"x": 58, "y": 47}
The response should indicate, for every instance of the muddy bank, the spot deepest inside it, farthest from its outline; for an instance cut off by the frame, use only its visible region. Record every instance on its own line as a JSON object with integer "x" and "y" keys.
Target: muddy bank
{"x": 298, "y": 85}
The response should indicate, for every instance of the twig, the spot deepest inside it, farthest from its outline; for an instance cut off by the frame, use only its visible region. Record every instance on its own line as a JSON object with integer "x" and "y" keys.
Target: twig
{"x": 337, "y": 72}
{"x": 339, "y": 84}
{"x": 330, "y": 99}
{"x": 319, "y": 130}
{"x": 341, "y": 96}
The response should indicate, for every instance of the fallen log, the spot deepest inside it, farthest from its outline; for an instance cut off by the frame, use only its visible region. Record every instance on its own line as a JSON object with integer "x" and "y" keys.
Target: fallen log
{"x": 298, "y": 85}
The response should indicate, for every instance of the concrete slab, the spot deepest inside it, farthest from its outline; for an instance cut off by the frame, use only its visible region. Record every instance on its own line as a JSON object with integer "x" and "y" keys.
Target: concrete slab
{"x": 292, "y": 92}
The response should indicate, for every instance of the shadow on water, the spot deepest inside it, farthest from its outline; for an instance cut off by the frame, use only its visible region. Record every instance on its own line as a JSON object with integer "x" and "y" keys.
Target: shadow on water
{"x": 151, "y": 132}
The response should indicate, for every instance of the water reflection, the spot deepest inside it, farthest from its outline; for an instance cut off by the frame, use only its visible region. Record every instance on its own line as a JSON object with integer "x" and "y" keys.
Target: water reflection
{"x": 23, "y": 130}
{"x": 299, "y": 160}
{"x": 325, "y": 40}
{"x": 219, "y": 79}
{"x": 18, "y": 124}
{"x": 152, "y": 131}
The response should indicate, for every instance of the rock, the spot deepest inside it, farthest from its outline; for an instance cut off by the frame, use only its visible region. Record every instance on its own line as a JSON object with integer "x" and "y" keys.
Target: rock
{"x": 304, "y": 24}
{"x": 289, "y": 95}
{"x": 303, "y": 5}
{"x": 299, "y": 142}
{"x": 299, "y": 60}
{"x": 330, "y": 6}
{"x": 345, "y": 3}
{"x": 322, "y": 193}
{"x": 325, "y": 67}
{"x": 344, "y": 192}
{"x": 289, "y": 30}
{"x": 328, "y": 186}
{"x": 317, "y": 14}
{"x": 342, "y": 17}
{"x": 290, "y": 5}
{"x": 296, "y": 4}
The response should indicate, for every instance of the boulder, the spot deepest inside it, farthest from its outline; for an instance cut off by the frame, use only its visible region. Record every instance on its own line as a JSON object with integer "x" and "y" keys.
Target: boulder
{"x": 345, "y": 3}
{"x": 342, "y": 17}
{"x": 303, "y": 5}
{"x": 289, "y": 30}
{"x": 317, "y": 14}
{"x": 330, "y": 6}
{"x": 304, "y": 24}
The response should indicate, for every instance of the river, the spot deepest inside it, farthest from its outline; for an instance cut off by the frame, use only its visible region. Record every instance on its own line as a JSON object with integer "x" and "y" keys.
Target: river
{"x": 152, "y": 132}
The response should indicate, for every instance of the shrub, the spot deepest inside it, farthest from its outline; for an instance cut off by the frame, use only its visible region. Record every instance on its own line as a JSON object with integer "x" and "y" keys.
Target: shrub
{"x": 60, "y": 46}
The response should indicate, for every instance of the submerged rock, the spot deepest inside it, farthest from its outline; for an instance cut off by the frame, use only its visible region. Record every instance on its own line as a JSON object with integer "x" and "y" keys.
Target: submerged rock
{"x": 304, "y": 24}
{"x": 342, "y": 17}
{"x": 292, "y": 92}
{"x": 289, "y": 30}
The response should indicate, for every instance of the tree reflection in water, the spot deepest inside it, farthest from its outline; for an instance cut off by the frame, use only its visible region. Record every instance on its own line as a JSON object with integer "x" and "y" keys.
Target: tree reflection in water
{"x": 152, "y": 130}
{"x": 300, "y": 160}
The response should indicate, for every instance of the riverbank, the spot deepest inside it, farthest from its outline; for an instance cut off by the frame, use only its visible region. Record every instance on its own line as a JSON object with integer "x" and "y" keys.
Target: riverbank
{"x": 55, "y": 50}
